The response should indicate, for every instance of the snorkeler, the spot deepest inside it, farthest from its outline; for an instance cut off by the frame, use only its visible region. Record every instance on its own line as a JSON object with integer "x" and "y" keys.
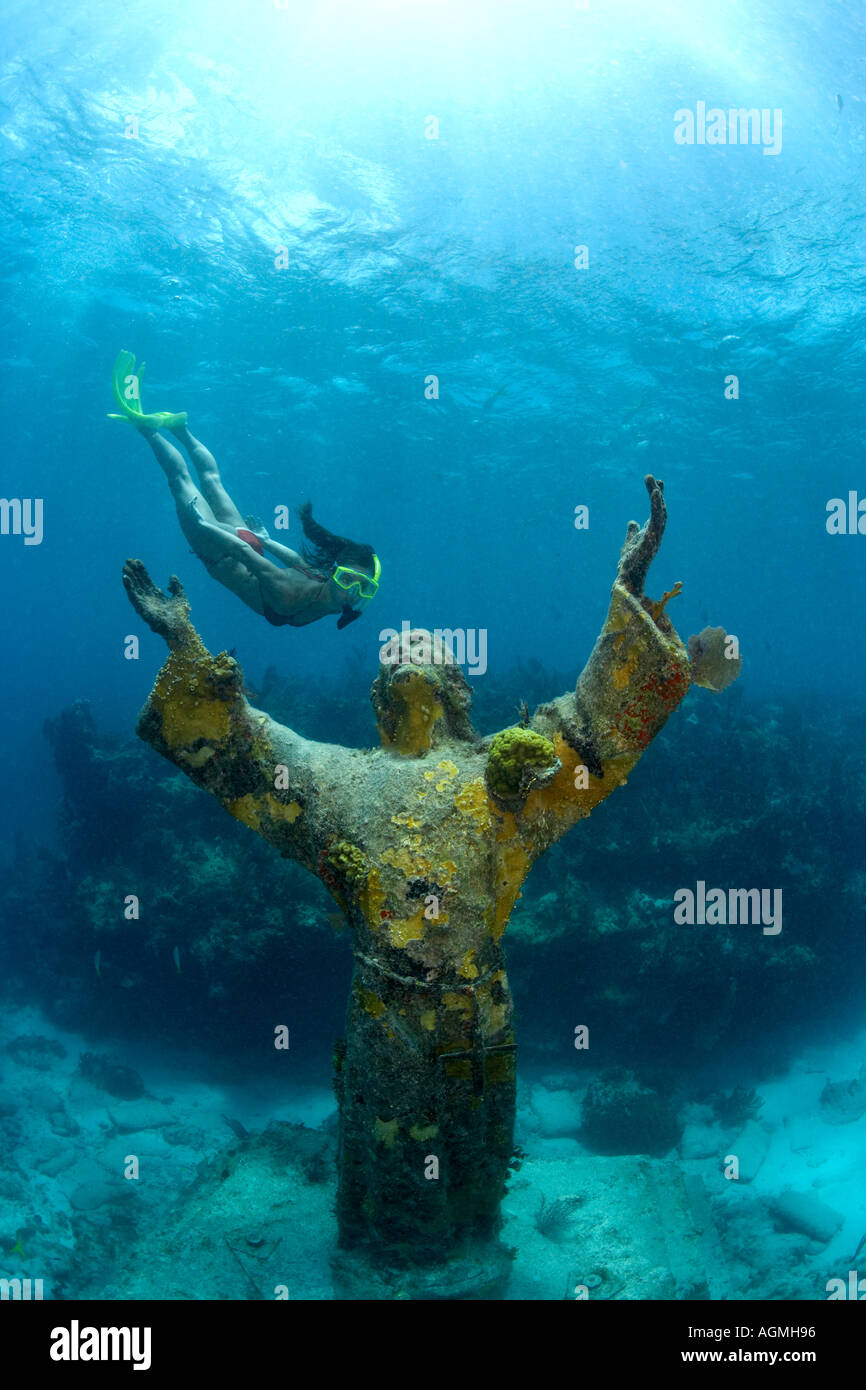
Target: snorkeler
{"x": 332, "y": 575}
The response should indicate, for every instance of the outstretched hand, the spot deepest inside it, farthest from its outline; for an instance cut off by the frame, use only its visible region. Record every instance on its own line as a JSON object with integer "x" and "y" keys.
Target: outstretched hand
{"x": 165, "y": 614}
{"x": 641, "y": 543}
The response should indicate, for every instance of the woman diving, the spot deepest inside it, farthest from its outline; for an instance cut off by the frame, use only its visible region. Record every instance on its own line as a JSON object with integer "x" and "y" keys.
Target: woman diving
{"x": 331, "y": 575}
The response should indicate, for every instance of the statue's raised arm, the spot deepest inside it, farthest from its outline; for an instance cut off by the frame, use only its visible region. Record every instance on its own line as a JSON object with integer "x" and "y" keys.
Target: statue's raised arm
{"x": 636, "y": 676}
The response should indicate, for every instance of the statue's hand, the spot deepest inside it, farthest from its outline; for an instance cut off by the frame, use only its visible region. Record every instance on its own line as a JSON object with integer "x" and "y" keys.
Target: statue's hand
{"x": 165, "y": 614}
{"x": 642, "y": 543}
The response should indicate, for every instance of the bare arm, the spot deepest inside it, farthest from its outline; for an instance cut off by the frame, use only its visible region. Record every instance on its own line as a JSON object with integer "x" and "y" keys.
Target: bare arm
{"x": 238, "y": 549}
{"x": 241, "y": 550}
{"x": 282, "y": 552}
{"x": 230, "y": 543}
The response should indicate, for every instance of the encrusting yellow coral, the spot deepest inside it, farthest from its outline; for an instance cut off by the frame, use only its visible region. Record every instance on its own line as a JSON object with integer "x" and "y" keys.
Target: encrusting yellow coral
{"x": 519, "y": 759}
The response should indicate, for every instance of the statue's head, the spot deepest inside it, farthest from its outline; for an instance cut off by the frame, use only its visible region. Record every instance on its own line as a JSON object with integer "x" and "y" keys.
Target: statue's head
{"x": 421, "y": 696}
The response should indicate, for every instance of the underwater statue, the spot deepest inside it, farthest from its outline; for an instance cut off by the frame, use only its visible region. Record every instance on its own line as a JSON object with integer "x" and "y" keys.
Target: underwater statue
{"x": 424, "y": 844}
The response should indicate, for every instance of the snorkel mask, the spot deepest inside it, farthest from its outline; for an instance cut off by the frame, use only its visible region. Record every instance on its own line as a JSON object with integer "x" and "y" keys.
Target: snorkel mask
{"x": 358, "y": 587}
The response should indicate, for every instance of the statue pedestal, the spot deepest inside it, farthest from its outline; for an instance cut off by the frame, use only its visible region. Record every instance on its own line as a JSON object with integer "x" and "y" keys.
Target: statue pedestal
{"x": 478, "y": 1271}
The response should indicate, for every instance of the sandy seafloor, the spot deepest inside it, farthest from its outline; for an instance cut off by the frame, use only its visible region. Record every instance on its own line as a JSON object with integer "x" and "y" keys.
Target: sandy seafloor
{"x": 210, "y": 1217}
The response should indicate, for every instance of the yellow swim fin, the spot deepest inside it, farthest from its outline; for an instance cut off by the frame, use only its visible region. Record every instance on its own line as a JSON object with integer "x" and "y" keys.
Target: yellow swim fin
{"x": 126, "y": 385}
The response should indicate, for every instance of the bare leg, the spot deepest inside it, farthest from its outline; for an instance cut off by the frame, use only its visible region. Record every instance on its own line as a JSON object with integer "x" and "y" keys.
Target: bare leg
{"x": 219, "y": 502}
{"x": 173, "y": 465}
{"x": 210, "y": 542}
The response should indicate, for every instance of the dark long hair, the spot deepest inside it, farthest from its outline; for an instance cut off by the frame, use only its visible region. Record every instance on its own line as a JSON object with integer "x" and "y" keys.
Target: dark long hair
{"x": 324, "y": 551}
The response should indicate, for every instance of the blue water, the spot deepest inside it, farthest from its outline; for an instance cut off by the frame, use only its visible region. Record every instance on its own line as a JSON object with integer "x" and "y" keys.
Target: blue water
{"x": 306, "y": 127}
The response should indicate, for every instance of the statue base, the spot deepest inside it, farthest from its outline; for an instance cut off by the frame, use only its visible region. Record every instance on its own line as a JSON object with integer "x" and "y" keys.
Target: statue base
{"x": 475, "y": 1272}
